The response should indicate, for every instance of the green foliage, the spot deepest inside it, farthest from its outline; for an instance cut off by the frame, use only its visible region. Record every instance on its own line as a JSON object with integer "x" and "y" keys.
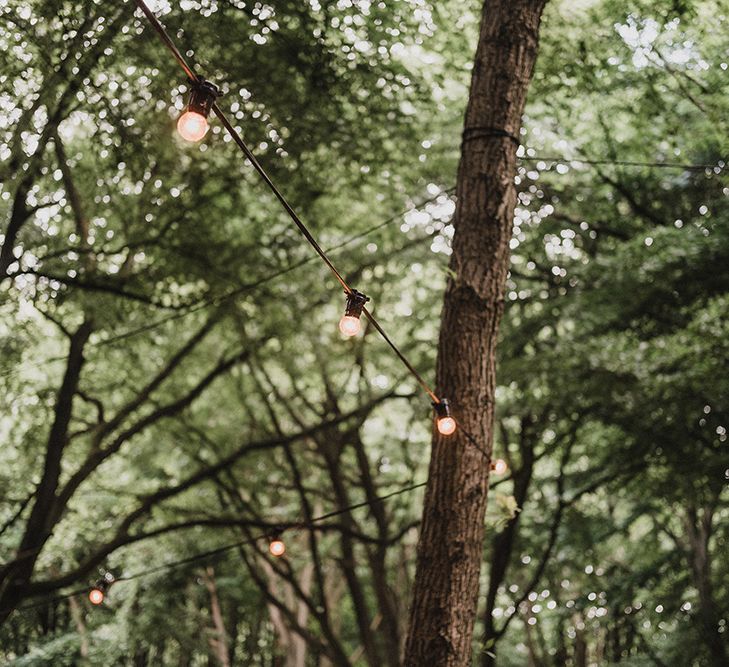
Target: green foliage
{"x": 613, "y": 351}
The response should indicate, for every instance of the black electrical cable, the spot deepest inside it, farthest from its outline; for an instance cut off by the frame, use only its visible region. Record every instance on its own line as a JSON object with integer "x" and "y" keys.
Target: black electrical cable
{"x": 166, "y": 39}
{"x": 284, "y": 203}
{"x": 203, "y": 555}
{"x": 47, "y": 601}
{"x": 211, "y": 553}
{"x": 619, "y": 163}
{"x": 365, "y": 503}
{"x": 159, "y": 28}
{"x": 401, "y": 356}
{"x": 243, "y": 289}
{"x": 474, "y": 443}
{"x": 280, "y": 528}
{"x": 251, "y": 287}
{"x": 272, "y": 186}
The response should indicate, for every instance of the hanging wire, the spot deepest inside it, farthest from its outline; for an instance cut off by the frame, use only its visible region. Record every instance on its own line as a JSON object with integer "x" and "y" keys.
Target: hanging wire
{"x": 401, "y": 356}
{"x": 620, "y": 163}
{"x": 272, "y": 186}
{"x": 242, "y": 289}
{"x": 720, "y": 164}
{"x": 251, "y": 287}
{"x": 167, "y": 41}
{"x": 284, "y": 203}
{"x": 211, "y": 553}
{"x": 159, "y": 28}
{"x": 279, "y": 527}
{"x": 323, "y": 255}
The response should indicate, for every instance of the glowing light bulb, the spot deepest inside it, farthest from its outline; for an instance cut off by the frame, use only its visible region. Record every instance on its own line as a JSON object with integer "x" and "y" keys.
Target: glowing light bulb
{"x": 349, "y": 325}
{"x": 446, "y": 425}
{"x": 444, "y": 422}
{"x": 192, "y": 126}
{"x": 276, "y": 547}
{"x": 96, "y": 596}
{"x": 499, "y": 466}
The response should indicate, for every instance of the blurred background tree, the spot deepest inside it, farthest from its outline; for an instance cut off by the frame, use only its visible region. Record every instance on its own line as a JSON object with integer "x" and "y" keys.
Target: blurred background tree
{"x": 171, "y": 385}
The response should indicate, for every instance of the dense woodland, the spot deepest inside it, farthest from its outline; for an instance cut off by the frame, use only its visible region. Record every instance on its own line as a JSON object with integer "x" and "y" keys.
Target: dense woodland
{"x": 173, "y": 379}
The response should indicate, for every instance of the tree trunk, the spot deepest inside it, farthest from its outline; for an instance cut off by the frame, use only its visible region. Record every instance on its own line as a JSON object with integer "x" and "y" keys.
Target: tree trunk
{"x": 579, "y": 658}
{"x": 16, "y": 575}
{"x": 78, "y": 619}
{"x": 219, "y": 640}
{"x": 446, "y": 585}
{"x": 698, "y": 531}
{"x": 377, "y": 558}
{"x": 503, "y": 546}
{"x": 533, "y": 653}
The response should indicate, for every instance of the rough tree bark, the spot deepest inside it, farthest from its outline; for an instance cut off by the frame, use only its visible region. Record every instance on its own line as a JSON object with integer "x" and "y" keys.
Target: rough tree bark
{"x": 446, "y": 585}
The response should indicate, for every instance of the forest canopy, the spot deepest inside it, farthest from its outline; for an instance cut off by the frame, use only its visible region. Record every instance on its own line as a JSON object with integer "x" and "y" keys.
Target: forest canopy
{"x": 176, "y": 392}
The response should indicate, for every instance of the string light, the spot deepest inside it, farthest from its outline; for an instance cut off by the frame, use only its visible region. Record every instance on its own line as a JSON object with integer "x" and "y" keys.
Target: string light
{"x": 350, "y": 323}
{"x": 193, "y": 124}
{"x": 202, "y": 101}
{"x": 238, "y": 140}
{"x": 444, "y": 420}
{"x": 218, "y": 551}
{"x": 276, "y": 546}
{"x": 97, "y": 593}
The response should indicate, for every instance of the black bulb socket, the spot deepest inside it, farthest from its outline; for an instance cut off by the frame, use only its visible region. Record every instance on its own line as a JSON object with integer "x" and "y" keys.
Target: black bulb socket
{"x": 202, "y": 97}
{"x": 442, "y": 408}
{"x": 355, "y": 303}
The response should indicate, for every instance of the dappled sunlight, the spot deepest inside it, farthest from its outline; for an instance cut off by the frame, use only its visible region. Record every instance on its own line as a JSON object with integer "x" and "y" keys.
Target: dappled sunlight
{"x": 215, "y": 449}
